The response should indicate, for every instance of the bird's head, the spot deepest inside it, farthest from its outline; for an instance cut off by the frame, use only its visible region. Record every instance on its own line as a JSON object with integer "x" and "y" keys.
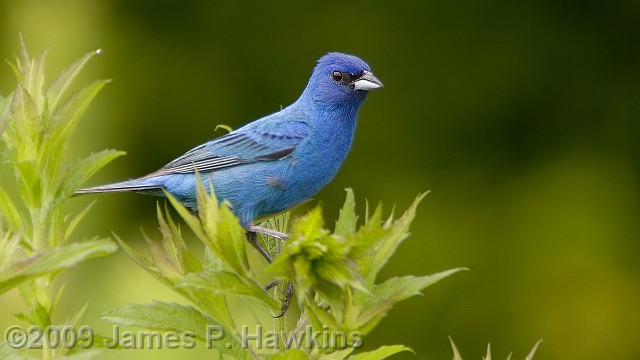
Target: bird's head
{"x": 340, "y": 80}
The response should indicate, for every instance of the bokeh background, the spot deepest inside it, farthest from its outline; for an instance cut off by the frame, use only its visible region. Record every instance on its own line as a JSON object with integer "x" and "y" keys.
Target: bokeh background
{"x": 521, "y": 118}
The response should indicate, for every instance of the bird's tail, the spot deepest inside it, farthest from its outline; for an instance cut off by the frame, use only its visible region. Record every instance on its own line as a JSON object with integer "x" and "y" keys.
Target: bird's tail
{"x": 130, "y": 185}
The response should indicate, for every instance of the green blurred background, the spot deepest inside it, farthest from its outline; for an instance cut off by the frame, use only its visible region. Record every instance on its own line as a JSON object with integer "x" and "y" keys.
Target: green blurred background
{"x": 522, "y": 118}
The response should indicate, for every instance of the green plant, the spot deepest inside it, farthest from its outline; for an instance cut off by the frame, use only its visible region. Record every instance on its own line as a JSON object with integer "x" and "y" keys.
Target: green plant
{"x": 35, "y": 232}
{"x": 334, "y": 274}
{"x": 457, "y": 356}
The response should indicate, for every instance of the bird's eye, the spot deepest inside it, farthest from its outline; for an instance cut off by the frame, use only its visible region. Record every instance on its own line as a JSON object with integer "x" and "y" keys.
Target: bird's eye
{"x": 336, "y": 76}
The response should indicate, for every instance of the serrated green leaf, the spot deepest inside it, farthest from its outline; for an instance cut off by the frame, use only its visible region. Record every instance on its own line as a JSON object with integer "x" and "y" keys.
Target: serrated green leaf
{"x": 58, "y": 87}
{"x": 387, "y": 247}
{"x": 144, "y": 263}
{"x": 37, "y": 314}
{"x": 167, "y": 255}
{"x": 174, "y": 317}
{"x": 50, "y": 261}
{"x": 24, "y": 127}
{"x": 30, "y": 73}
{"x": 232, "y": 242}
{"x": 310, "y": 226}
{"x": 186, "y": 215}
{"x": 320, "y": 316}
{"x": 400, "y": 288}
{"x": 189, "y": 262}
{"x": 224, "y": 282}
{"x": 346, "y": 223}
{"x": 66, "y": 116}
{"x": 380, "y": 353}
{"x": 384, "y": 296}
{"x": 218, "y": 228}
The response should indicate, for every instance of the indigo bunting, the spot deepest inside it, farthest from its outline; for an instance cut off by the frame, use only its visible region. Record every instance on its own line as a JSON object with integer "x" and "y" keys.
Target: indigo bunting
{"x": 277, "y": 161}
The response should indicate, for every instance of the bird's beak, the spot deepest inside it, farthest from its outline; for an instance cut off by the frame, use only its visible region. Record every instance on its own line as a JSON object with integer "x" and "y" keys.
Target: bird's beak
{"x": 367, "y": 82}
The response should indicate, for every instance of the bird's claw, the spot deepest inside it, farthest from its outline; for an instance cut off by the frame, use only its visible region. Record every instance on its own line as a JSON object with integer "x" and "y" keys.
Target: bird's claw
{"x": 287, "y": 299}
{"x": 253, "y": 230}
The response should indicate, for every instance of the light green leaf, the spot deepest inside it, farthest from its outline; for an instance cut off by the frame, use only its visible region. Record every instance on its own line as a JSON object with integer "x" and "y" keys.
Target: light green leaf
{"x": 380, "y": 353}
{"x": 192, "y": 220}
{"x": 400, "y": 288}
{"x": 456, "y": 353}
{"x": 346, "y": 223}
{"x": 9, "y": 244}
{"x": 338, "y": 354}
{"x": 488, "y": 356}
{"x": 87, "y": 354}
{"x": 232, "y": 242}
{"x": 387, "y": 247}
{"x": 66, "y": 115}
{"x": 75, "y": 322}
{"x": 30, "y": 73}
{"x": 85, "y": 168}
{"x": 8, "y": 212}
{"x": 219, "y": 229}
{"x": 9, "y": 353}
{"x": 310, "y": 226}
{"x": 147, "y": 265}
{"x": 5, "y": 110}
{"x": 50, "y": 261}
{"x": 224, "y": 282}
{"x": 174, "y": 317}
{"x": 57, "y": 88}
{"x": 71, "y": 225}
{"x": 384, "y": 296}
{"x": 172, "y": 237}
{"x": 24, "y": 127}
{"x": 290, "y": 354}
{"x": 533, "y": 351}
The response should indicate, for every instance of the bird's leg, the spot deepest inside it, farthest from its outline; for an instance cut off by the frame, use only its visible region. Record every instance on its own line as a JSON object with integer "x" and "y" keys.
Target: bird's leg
{"x": 276, "y": 234}
{"x": 252, "y": 236}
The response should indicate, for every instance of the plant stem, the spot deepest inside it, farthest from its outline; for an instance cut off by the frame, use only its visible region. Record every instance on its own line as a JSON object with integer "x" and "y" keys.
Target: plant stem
{"x": 278, "y": 322}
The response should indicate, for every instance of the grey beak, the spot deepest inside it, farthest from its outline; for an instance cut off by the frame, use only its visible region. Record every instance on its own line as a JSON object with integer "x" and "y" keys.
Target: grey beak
{"x": 367, "y": 82}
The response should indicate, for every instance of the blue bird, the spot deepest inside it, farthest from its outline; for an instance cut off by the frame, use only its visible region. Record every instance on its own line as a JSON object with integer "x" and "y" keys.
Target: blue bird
{"x": 275, "y": 162}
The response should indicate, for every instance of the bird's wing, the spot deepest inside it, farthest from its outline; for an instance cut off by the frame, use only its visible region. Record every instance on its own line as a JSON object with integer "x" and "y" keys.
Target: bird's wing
{"x": 259, "y": 141}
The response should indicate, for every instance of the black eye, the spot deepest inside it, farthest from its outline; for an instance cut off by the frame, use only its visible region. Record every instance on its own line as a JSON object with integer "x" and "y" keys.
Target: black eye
{"x": 336, "y": 76}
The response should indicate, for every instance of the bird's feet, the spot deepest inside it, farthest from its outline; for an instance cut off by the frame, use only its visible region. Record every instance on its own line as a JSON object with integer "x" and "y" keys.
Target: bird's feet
{"x": 288, "y": 295}
{"x": 260, "y": 230}
{"x": 252, "y": 237}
